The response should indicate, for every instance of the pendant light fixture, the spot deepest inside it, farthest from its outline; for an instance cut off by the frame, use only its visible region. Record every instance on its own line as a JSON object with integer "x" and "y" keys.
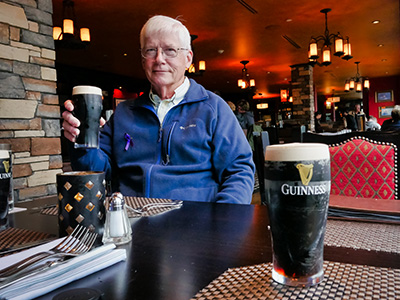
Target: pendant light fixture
{"x": 191, "y": 71}
{"x": 66, "y": 36}
{"x": 202, "y": 68}
{"x": 245, "y": 82}
{"x": 358, "y": 82}
{"x": 342, "y": 47}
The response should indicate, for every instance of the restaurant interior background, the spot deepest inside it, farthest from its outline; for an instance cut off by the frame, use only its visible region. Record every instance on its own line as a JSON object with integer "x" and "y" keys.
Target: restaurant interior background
{"x": 37, "y": 74}
{"x": 271, "y": 36}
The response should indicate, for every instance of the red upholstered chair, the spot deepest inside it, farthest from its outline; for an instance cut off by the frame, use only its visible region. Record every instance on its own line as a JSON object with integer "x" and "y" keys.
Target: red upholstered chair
{"x": 363, "y": 164}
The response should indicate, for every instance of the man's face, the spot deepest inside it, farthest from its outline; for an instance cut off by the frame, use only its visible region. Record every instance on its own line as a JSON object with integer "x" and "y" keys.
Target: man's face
{"x": 164, "y": 72}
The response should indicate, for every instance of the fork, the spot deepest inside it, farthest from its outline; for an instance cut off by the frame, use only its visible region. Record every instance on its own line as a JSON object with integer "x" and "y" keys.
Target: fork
{"x": 78, "y": 242}
{"x": 147, "y": 207}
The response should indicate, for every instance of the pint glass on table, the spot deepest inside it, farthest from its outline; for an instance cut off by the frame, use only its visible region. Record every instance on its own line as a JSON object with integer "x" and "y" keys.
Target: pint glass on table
{"x": 11, "y": 193}
{"x": 297, "y": 187}
{"x": 5, "y": 181}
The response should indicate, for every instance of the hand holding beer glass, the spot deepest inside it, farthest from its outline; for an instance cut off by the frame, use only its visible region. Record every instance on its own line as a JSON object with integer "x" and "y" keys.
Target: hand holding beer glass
{"x": 297, "y": 186}
{"x": 82, "y": 126}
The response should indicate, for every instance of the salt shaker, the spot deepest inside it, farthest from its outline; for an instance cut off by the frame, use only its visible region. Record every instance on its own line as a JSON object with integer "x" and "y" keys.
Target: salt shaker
{"x": 117, "y": 228}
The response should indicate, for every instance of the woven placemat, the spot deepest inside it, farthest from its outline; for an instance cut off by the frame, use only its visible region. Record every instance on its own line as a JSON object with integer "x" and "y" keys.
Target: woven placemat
{"x": 52, "y": 210}
{"x": 134, "y": 202}
{"x": 341, "y": 281}
{"x": 363, "y": 235}
{"x": 138, "y": 202}
{"x": 12, "y": 237}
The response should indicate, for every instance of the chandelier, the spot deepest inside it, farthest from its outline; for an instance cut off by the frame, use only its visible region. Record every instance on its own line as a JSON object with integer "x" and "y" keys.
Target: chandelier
{"x": 245, "y": 82}
{"x": 65, "y": 36}
{"x": 356, "y": 82}
{"x": 202, "y": 68}
{"x": 191, "y": 71}
{"x": 342, "y": 45}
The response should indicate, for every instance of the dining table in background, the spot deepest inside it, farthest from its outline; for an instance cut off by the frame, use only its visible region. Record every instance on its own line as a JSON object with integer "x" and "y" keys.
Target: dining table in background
{"x": 176, "y": 254}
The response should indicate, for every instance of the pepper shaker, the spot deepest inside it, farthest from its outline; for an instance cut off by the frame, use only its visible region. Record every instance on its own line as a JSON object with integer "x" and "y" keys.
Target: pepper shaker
{"x": 117, "y": 228}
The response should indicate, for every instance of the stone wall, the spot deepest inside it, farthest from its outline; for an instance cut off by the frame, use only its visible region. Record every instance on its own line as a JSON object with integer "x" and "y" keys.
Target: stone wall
{"x": 29, "y": 107}
{"x": 303, "y": 94}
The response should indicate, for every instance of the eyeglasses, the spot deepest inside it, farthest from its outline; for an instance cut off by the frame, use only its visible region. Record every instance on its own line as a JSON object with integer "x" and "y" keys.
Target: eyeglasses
{"x": 167, "y": 52}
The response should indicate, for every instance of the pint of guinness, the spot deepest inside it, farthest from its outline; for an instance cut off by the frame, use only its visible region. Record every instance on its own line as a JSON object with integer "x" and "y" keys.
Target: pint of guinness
{"x": 5, "y": 181}
{"x": 297, "y": 187}
{"x": 11, "y": 193}
{"x": 88, "y": 105}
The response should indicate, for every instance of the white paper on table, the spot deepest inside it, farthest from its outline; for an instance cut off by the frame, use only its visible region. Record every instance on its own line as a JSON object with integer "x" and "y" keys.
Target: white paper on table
{"x": 16, "y": 209}
{"x": 59, "y": 275}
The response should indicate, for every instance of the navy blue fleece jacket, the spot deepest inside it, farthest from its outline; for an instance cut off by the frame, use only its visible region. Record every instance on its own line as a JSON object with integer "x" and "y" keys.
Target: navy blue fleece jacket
{"x": 199, "y": 153}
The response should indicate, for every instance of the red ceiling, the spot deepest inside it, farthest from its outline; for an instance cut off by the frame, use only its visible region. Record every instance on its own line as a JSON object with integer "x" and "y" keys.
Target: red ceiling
{"x": 228, "y": 33}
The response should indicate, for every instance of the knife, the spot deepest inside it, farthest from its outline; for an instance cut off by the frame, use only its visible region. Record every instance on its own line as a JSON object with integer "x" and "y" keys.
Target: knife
{"x": 25, "y": 246}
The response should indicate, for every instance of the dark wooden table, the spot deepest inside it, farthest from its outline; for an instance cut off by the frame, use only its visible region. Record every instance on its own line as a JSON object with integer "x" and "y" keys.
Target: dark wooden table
{"x": 174, "y": 255}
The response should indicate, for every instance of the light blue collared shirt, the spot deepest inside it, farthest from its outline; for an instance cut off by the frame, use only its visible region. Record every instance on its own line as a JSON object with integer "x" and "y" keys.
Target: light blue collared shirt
{"x": 163, "y": 106}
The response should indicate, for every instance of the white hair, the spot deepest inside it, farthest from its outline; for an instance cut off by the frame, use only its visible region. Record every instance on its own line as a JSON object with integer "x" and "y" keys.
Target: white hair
{"x": 396, "y": 112}
{"x": 167, "y": 26}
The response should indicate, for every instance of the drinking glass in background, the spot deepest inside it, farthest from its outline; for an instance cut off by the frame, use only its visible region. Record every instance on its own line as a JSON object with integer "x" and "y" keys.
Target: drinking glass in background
{"x": 11, "y": 193}
{"x": 297, "y": 187}
{"x": 5, "y": 181}
{"x": 88, "y": 106}
{"x": 81, "y": 196}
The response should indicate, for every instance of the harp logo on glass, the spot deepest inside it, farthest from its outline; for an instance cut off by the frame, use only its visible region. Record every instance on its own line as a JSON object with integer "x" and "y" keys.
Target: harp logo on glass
{"x": 306, "y": 172}
{"x": 6, "y": 165}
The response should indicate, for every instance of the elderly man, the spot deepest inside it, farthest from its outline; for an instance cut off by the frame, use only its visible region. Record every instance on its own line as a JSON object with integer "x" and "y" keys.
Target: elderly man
{"x": 184, "y": 142}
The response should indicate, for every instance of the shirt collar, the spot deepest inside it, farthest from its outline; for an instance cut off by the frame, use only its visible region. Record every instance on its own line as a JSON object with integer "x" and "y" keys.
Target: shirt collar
{"x": 178, "y": 96}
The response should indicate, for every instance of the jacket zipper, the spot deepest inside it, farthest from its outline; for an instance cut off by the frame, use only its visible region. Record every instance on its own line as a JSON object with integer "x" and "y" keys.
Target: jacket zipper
{"x": 159, "y": 142}
{"x": 149, "y": 170}
{"x": 159, "y": 158}
{"x": 147, "y": 187}
{"x": 168, "y": 145}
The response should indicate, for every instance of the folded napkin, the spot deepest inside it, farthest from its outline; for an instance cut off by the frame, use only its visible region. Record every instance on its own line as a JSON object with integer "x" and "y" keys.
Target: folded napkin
{"x": 59, "y": 275}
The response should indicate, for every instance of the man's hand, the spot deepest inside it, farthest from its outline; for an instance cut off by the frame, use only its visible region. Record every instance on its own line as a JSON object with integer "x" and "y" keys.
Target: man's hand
{"x": 71, "y": 124}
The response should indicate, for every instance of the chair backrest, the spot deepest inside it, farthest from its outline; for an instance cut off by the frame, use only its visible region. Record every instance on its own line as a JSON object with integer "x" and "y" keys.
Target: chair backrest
{"x": 261, "y": 141}
{"x": 363, "y": 164}
{"x": 273, "y": 135}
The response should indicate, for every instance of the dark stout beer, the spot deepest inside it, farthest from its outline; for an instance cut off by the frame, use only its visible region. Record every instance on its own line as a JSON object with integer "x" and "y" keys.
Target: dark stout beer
{"x": 11, "y": 193}
{"x": 87, "y": 108}
{"x": 297, "y": 183}
{"x": 5, "y": 181}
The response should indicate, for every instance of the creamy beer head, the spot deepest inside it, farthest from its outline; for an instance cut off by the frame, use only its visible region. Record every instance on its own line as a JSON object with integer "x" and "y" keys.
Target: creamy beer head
{"x": 4, "y": 154}
{"x": 86, "y": 89}
{"x": 296, "y": 152}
